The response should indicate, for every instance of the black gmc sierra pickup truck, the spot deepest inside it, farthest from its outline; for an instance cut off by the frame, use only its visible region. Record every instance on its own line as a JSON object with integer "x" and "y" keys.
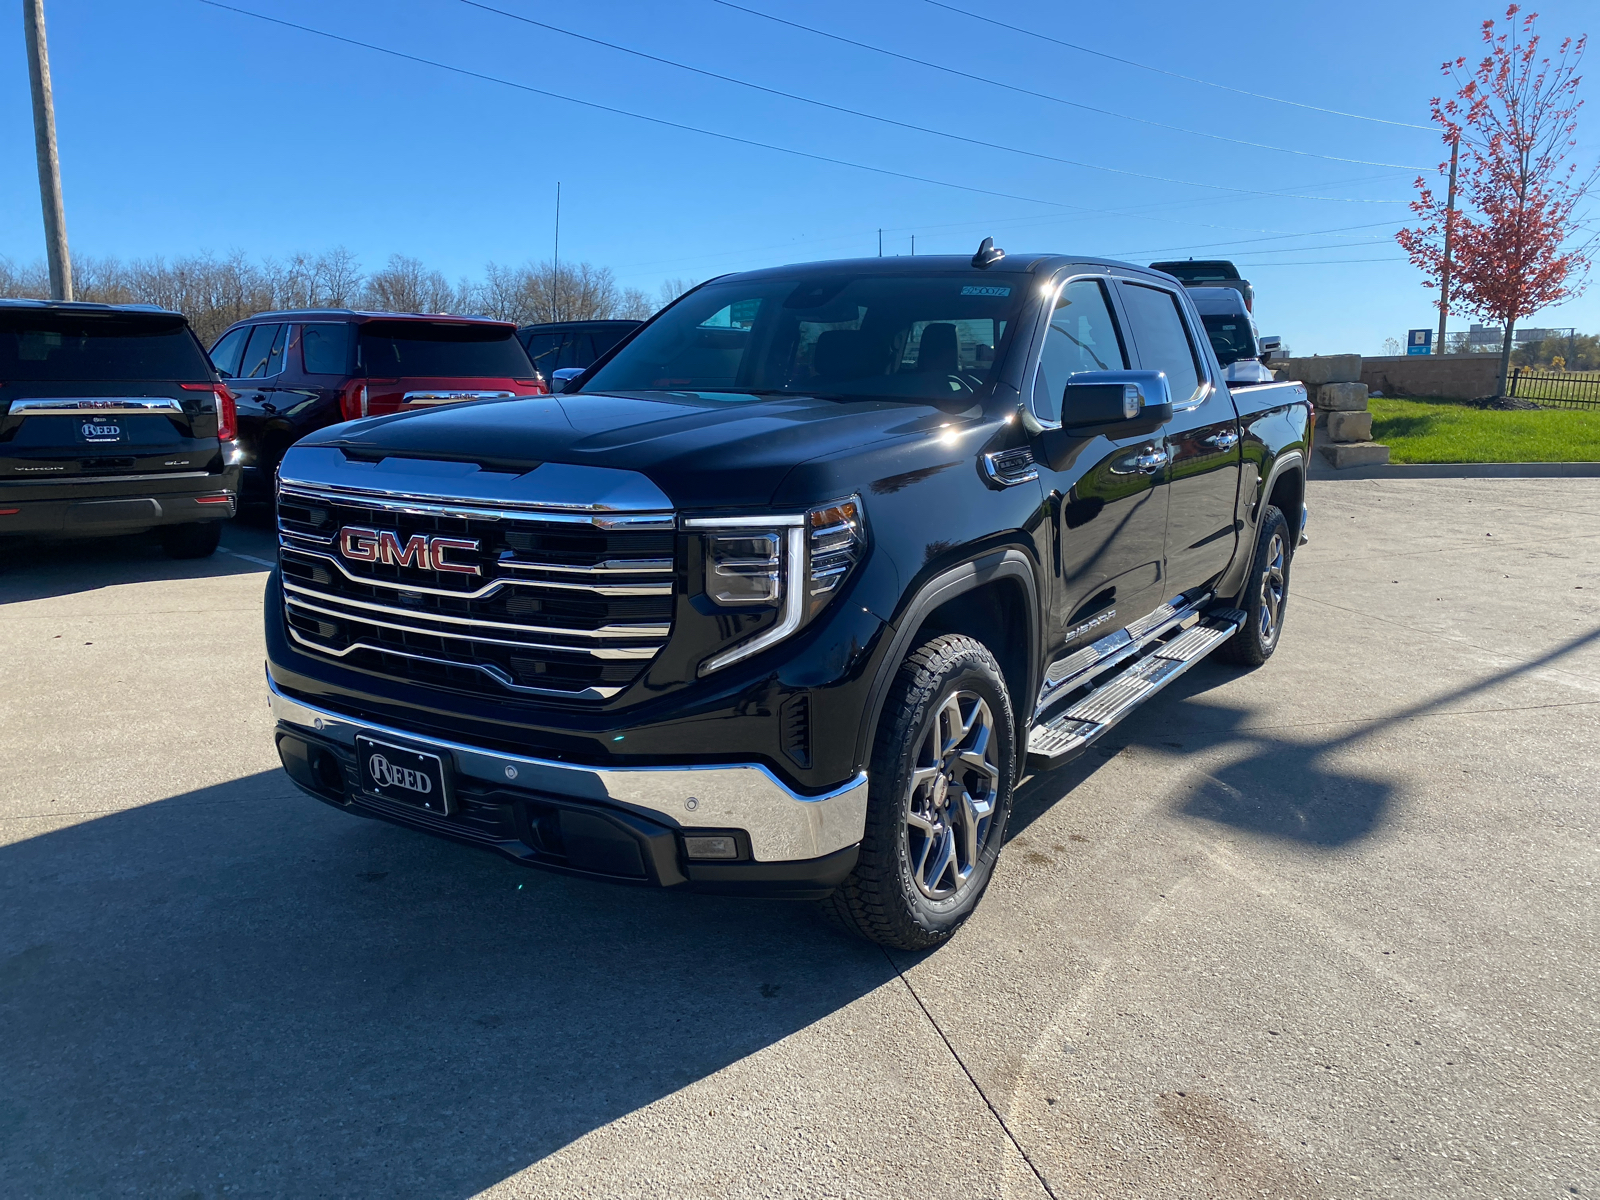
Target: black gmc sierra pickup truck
{"x": 786, "y": 593}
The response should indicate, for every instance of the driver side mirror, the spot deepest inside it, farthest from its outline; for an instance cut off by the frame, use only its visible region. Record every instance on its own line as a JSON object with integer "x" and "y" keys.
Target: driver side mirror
{"x": 1117, "y": 403}
{"x": 560, "y": 378}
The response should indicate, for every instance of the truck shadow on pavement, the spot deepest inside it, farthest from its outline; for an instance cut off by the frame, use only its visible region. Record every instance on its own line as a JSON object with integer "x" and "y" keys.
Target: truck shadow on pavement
{"x": 1284, "y": 787}
{"x": 239, "y": 987}
{"x": 37, "y": 569}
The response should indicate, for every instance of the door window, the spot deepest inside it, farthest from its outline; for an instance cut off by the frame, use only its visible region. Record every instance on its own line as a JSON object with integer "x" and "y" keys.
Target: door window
{"x": 577, "y": 350}
{"x": 263, "y": 356}
{"x": 1163, "y": 339}
{"x": 1082, "y": 337}
{"x": 225, "y": 354}
{"x": 326, "y": 348}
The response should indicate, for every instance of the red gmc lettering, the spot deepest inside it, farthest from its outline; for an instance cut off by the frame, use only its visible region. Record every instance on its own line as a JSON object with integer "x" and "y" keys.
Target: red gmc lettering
{"x": 440, "y": 544}
{"x": 357, "y": 544}
{"x": 360, "y": 544}
{"x": 414, "y": 553}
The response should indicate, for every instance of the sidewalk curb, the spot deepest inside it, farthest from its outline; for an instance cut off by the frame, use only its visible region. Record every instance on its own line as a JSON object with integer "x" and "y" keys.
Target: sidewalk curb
{"x": 1320, "y": 469}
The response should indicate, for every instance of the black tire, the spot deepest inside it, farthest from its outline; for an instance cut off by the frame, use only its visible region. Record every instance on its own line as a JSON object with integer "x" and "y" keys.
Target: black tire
{"x": 887, "y": 897}
{"x": 199, "y": 540}
{"x": 1265, "y": 595}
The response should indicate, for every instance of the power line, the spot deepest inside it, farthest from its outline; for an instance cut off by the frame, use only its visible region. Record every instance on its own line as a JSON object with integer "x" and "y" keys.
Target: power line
{"x": 1325, "y": 262}
{"x": 1163, "y": 71}
{"x": 679, "y": 125}
{"x": 623, "y": 112}
{"x": 1022, "y": 91}
{"x": 982, "y": 143}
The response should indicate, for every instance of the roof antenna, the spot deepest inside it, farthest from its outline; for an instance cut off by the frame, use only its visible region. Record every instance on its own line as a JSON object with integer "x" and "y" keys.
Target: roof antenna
{"x": 988, "y": 253}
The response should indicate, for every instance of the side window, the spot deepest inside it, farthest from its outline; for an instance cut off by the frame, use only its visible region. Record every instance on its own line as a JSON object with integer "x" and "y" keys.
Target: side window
{"x": 326, "y": 349}
{"x": 574, "y": 350}
{"x": 1163, "y": 339}
{"x": 1082, "y": 337}
{"x": 225, "y": 354}
{"x": 264, "y": 355}
{"x": 543, "y": 349}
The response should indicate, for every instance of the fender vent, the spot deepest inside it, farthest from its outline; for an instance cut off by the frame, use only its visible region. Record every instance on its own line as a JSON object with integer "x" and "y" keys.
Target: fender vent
{"x": 795, "y": 718}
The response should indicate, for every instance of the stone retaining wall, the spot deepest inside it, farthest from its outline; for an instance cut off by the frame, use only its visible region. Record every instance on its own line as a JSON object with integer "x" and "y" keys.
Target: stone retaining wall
{"x": 1450, "y": 376}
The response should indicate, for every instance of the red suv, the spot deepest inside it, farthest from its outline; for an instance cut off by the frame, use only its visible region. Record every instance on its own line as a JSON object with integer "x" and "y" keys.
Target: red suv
{"x": 295, "y": 372}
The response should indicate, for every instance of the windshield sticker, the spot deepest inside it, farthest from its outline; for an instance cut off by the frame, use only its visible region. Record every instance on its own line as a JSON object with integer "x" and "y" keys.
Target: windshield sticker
{"x": 989, "y": 290}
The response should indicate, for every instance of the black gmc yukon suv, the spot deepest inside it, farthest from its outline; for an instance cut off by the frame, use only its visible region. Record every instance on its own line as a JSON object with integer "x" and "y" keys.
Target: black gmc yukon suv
{"x": 112, "y": 421}
{"x": 794, "y": 586}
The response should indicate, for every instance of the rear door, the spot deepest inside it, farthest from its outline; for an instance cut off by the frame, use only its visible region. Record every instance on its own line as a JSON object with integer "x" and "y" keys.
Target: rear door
{"x": 90, "y": 394}
{"x": 1202, "y": 439}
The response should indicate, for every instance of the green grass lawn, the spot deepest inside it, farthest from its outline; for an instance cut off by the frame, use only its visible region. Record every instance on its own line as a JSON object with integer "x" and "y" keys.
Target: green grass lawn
{"x": 1441, "y": 431}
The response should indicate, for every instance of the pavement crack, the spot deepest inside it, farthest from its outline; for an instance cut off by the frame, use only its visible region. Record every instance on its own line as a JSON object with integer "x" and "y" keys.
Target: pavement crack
{"x": 971, "y": 1078}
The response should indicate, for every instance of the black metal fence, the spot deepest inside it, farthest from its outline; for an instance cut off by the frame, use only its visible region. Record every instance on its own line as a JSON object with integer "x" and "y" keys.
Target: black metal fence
{"x": 1556, "y": 389}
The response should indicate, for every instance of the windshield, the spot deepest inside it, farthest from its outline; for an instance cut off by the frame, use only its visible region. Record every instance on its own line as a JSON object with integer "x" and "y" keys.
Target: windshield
{"x": 1231, "y": 337}
{"x": 37, "y": 346}
{"x": 412, "y": 349}
{"x": 925, "y": 336}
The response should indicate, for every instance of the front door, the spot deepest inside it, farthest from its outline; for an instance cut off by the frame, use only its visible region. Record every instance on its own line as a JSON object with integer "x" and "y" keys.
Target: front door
{"x": 1201, "y": 443}
{"x": 1109, "y": 506}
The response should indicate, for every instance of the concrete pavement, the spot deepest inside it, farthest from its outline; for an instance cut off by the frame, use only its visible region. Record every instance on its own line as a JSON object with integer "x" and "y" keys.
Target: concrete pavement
{"x": 1324, "y": 929}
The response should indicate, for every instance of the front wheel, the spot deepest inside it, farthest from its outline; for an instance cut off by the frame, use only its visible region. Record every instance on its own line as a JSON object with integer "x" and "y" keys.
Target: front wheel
{"x": 1265, "y": 595}
{"x": 939, "y": 792}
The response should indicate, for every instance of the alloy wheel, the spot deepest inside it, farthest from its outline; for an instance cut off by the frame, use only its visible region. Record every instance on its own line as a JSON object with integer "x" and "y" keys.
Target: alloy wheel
{"x": 1273, "y": 586}
{"x": 955, "y": 785}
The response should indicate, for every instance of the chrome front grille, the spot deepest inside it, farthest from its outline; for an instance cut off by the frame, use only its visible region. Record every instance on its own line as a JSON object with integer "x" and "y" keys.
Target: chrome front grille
{"x": 561, "y": 604}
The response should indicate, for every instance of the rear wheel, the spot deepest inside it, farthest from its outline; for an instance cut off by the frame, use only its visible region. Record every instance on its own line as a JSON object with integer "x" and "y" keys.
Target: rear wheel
{"x": 943, "y": 766}
{"x": 199, "y": 540}
{"x": 1265, "y": 595}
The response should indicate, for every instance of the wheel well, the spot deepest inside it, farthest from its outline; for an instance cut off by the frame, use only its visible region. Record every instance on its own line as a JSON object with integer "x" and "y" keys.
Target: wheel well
{"x": 1288, "y": 495}
{"x": 995, "y": 614}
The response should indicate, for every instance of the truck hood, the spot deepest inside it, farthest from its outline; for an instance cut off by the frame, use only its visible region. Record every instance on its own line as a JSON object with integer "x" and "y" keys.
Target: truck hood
{"x": 702, "y": 450}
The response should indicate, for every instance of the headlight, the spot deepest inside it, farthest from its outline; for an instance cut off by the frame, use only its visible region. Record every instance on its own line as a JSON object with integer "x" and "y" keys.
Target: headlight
{"x": 793, "y": 563}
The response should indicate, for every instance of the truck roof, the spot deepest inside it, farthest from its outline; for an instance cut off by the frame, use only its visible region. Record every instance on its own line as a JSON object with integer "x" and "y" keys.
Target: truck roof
{"x": 1222, "y": 300}
{"x": 362, "y": 314}
{"x": 943, "y": 263}
{"x": 89, "y": 306}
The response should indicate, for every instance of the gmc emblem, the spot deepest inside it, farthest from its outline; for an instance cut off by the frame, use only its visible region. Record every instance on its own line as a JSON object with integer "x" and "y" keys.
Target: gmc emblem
{"x": 360, "y": 544}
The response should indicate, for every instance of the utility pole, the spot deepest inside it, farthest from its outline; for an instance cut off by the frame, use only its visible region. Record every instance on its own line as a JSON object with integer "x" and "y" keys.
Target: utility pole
{"x": 913, "y": 245}
{"x": 1449, "y": 228}
{"x": 880, "y": 243}
{"x": 44, "y": 139}
{"x": 555, "y": 270}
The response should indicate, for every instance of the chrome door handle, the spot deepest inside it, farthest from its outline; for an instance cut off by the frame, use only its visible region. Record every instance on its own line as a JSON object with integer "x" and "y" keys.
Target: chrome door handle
{"x": 1226, "y": 440}
{"x": 1151, "y": 461}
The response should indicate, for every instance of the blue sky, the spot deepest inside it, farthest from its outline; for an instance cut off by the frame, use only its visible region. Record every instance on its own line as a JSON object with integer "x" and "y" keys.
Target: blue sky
{"x": 184, "y": 127}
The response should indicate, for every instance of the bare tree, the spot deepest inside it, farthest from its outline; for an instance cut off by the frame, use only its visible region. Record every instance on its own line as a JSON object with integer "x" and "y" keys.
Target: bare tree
{"x": 671, "y": 289}
{"x": 1391, "y": 346}
{"x": 23, "y": 282}
{"x": 405, "y": 285}
{"x": 635, "y": 306}
{"x": 215, "y": 292}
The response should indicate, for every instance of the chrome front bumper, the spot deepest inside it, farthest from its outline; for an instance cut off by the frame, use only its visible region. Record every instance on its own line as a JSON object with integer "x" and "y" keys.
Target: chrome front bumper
{"x": 784, "y": 826}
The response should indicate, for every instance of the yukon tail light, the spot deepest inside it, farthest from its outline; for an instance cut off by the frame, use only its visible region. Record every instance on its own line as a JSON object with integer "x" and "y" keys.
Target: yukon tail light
{"x": 353, "y": 400}
{"x": 537, "y": 383}
{"x": 227, "y": 408}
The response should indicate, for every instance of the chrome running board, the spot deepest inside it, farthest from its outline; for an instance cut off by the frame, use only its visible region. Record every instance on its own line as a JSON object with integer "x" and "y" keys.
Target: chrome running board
{"x": 1066, "y": 675}
{"x": 1061, "y": 738}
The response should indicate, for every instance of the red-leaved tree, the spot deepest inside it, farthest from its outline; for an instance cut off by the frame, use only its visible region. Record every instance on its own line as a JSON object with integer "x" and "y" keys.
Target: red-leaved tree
{"x": 1515, "y": 246}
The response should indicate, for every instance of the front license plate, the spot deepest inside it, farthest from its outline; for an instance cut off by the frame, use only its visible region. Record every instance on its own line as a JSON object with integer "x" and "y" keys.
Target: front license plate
{"x": 102, "y": 432}
{"x": 407, "y": 776}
